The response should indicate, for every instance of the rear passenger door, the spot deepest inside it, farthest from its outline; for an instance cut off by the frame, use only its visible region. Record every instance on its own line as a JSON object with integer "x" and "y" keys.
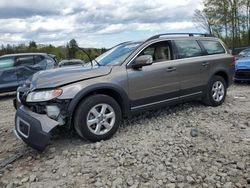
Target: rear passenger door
{"x": 193, "y": 67}
{"x": 8, "y": 76}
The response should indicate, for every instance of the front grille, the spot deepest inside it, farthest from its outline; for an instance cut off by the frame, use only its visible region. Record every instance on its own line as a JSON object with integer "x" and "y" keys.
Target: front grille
{"x": 243, "y": 73}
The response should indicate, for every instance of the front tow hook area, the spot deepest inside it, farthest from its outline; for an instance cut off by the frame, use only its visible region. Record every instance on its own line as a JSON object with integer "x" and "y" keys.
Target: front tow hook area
{"x": 34, "y": 129}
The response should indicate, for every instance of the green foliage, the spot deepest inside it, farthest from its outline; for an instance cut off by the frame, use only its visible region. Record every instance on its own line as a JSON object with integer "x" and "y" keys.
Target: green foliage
{"x": 227, "y": 19}
{"x": 62, "y": 52}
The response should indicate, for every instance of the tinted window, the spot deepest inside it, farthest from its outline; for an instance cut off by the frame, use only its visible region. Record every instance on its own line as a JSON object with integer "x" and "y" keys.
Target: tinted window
{"x": 213, "y": 47}
{"x": 6, "y": 62}
{"x": 25, "y": 60}
{"x": 38, "y": 59}
{"x": 160, "y": 51}
{"x": 188, "y": 48}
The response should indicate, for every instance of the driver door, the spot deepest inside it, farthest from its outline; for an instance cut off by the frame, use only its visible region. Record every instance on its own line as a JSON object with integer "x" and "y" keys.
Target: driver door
{"x": 157, "y": 83}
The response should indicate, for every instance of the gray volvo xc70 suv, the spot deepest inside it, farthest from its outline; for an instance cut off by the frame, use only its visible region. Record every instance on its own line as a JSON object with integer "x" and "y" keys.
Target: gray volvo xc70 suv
{"x": 131, "y": 77}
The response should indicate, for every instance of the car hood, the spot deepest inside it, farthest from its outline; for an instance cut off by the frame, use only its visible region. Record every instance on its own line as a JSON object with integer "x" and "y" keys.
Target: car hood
{"x": 62, "y": 76}
{"x": 243, "y": 63}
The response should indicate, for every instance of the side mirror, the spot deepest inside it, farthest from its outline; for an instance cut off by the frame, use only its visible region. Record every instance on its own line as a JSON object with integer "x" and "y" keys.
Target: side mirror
{"x": 141, "y": 61}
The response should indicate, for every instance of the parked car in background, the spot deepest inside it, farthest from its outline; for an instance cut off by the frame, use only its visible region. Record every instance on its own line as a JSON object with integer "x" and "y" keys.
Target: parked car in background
{"x": 242, "y": 69}
{"x": 243, "y": 53}
{"x": 16, "y": 68}
{"x": 71, "y": 62}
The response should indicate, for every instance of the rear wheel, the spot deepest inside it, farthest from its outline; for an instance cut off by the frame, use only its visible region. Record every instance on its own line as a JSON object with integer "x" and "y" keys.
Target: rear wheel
{"x": 216, "y": 91}
{"x": 97, "y": 117}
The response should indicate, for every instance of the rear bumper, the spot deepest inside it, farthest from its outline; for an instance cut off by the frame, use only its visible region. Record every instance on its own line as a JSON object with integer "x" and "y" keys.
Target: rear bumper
{"x": 34, "y": 129}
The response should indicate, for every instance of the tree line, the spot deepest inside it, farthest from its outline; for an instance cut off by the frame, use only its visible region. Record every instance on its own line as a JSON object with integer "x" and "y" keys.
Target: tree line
{"x": 226, "y": 19}
{"x": 70, "y": 51}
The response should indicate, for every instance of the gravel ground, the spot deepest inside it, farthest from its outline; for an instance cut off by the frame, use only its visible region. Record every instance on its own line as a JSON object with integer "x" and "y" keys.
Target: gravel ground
{"x": 188, "y": 145}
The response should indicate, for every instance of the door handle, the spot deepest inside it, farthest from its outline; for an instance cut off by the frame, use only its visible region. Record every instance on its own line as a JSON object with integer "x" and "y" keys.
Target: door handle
{"x": 205, "y": 64}
{"x": 171, "y": 69}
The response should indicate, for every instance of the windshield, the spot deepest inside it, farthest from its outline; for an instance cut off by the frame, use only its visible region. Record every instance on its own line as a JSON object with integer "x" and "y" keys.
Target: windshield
{"x": 117, "y": 55}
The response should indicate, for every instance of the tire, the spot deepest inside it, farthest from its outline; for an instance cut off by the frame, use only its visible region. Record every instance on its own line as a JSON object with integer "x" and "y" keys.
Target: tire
{"x": 216, "y": 91}
{"x": 97, "y": 118}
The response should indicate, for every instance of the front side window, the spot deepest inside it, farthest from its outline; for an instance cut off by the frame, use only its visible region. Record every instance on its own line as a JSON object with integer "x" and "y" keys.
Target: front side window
{"x": 160, "y": 51}
{"x": 6, "y": 62}
{"x": 25, "y": 60}
{"x": 213, "y": 47}
{"x": 188, "y": 48}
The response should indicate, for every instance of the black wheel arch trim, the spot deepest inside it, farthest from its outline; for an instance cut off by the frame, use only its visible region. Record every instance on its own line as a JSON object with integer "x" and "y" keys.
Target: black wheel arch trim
{"x": 125, "y": 102}
{"x": 228, "y": 80}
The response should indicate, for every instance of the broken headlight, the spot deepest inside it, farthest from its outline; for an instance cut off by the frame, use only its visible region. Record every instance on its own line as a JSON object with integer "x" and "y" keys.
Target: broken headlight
{"x": 41, "y": 96}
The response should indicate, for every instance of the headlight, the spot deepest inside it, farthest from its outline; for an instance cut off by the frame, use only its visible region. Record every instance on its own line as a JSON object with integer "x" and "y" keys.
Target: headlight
{"x": 40, "y": 96}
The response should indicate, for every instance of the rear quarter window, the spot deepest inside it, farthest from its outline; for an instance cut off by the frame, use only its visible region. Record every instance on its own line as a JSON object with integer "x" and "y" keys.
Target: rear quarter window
{"x": 213, "y": 47}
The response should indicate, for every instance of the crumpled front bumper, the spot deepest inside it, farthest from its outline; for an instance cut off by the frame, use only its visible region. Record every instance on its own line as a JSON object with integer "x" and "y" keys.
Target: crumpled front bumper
{"x": 34, "y": 129}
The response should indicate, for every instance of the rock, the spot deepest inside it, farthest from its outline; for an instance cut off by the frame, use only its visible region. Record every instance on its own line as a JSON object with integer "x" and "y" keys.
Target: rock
{"x": 32, "y": 178}
{"x": 65, "y": 152}
{"x": 194, "y": 132}
{"x": 52, "y": 150}
{"x": 130, "y": 181}
{"x": 98, "y": 145}
{"x": 64, "y": 175}
{"x": 238, "y": 185}
{"x": 25, "y": 180}
{"x": 98, "y": 184}
{"x": 170, "y": 185}
{"x": 248, "y": 180}
{"x": 29, "y": 158}
{"x": 243, "y": 126}
{"x": 204, "y": 185}
{"x": 240, "y": 166}
{"x": 180, "y": 178}
{"x": 228, "y": 185}
{"x": 10, "y": 185}
{"x": 189, "y": 168}
{"x": 171, "y": 178}
{"x": 159, "y": 182}
{"x": 190, "y": 179}
{"x": 117, "y": 182}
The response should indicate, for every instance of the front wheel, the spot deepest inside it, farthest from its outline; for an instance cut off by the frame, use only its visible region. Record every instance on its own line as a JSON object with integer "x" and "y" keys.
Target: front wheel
{"x": 216, "y": 91}
{"x": 97, "y": 118}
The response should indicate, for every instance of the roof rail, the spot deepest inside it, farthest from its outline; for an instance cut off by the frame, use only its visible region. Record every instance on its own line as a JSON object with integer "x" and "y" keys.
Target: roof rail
{"x": 188, "y": 34}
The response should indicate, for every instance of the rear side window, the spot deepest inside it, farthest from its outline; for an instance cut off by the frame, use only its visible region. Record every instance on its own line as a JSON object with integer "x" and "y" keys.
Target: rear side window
{"x": 25, "y": 60}
{"x": 213, "y": 47}
{"x": 6, "y": 62}
{"x": 188, "y": 48}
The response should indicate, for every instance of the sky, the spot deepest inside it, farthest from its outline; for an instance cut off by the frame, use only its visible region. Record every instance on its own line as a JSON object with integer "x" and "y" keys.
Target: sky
{"x": 93, "y": 23}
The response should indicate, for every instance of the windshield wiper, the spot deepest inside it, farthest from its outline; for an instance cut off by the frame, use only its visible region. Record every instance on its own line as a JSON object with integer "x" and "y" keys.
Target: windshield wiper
{"x": 90, "y": 59}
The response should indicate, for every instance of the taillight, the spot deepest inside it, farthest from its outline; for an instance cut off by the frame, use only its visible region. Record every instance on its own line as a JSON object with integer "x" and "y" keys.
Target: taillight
{"x": 234, "y": 60}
